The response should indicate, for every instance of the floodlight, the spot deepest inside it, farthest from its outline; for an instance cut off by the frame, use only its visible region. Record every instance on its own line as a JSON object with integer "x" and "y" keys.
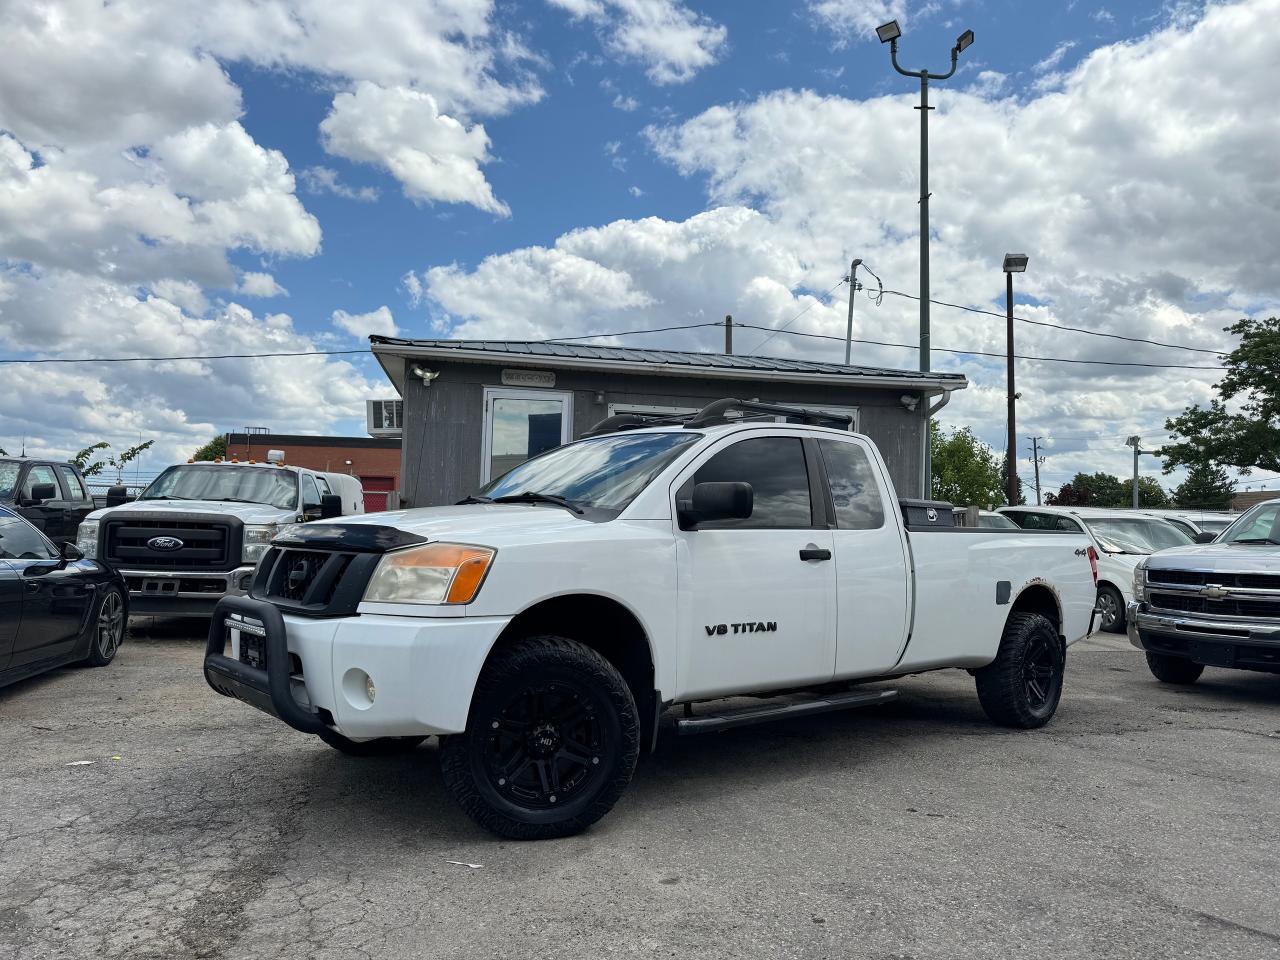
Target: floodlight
{"x": 1015, "y": 263}
{"x": 963, "y": 41}
{"x": 891, "y": 31}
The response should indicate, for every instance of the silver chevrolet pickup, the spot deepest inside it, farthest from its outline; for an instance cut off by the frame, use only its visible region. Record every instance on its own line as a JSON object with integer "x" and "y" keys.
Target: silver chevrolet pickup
{"x": 1215, "y": 605}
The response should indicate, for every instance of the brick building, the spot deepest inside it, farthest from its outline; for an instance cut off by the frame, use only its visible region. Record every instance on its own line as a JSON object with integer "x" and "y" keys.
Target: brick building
{"x": 375, "y": 460}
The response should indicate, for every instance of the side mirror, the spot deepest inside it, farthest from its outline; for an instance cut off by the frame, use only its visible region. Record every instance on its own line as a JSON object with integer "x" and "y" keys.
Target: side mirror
{"x": 717, "y": 501}
{"x": 1204, "y": 536}
{"x": 40, "y": 492}
{"x": 117, "y": 495}
{"x": 330, "y": 506}
{"x": 70, "y": 552}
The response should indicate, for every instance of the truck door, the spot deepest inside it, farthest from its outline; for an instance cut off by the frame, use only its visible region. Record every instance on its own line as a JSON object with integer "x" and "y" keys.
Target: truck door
{"x": 871, "y": 568}
{"x": 48, "y": 516}
{"x": 754, "y": 613}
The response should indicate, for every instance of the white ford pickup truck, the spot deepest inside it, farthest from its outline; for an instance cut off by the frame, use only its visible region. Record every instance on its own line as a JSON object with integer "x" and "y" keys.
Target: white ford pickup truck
{"x": 546, "y": 627}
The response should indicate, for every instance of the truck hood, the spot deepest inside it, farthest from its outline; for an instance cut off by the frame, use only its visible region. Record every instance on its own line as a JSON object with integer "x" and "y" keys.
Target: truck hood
{"x": 1228, "y": 558}
{"x": 485, "y": 524}
{"x": 245, "y": 512}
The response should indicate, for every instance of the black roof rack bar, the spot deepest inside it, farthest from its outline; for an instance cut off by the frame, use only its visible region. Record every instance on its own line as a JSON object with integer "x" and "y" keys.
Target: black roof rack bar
{"x": 633, "y": 421}
{"x": 718, "y": 412}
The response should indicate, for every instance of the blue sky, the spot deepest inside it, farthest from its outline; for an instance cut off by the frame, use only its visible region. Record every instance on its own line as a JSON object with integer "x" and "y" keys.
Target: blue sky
{"x": 193, "y": 176}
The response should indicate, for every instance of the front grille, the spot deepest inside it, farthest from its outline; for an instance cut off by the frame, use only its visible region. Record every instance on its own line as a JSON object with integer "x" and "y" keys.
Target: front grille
{"x": 206, "y": 545}
{"x": 1226, "y": 607}
{"x": 1254, "y": 581}
{"x": 326, "y": 583}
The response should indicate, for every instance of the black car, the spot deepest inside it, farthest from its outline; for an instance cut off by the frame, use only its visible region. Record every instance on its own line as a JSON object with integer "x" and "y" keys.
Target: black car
{"x": 52, "y": 495}
{"x": 55, "y": 606}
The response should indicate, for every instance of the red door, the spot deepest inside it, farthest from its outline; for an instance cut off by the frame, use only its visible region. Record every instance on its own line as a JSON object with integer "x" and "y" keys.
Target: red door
{"x": 376, "y": 491}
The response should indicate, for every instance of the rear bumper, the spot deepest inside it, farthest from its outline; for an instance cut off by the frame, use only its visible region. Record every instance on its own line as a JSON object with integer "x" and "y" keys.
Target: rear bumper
{"x": 423, "y": 669}
{"x": 1244, "y": 645}
{"x": 183, "y": 593}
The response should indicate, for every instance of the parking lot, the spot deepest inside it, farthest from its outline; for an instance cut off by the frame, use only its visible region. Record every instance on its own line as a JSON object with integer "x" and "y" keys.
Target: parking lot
{"x": 144, "y": 816}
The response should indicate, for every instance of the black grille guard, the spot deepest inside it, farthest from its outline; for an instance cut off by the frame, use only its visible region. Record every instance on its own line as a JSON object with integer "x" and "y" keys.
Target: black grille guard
{"x": 269, "y": 689}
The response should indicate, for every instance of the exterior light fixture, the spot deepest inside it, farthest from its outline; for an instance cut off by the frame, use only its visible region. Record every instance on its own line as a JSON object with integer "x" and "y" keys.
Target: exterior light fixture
{"x": 1015, "y": 263}
{"x": 963, "y": 41}
{"x": 891, "y": 31}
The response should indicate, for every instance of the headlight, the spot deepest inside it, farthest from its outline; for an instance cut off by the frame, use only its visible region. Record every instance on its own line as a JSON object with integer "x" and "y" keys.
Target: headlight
{"x": 257, "y": 537}
{"x": 435, "y": 573}
{"x": 1140, "y": 581}
{"x": 87, "y": 537}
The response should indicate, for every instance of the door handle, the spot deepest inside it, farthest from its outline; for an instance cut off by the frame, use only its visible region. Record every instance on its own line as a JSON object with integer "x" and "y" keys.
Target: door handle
{"x": 812, "y": 552}
{"x": 33, "y": 586}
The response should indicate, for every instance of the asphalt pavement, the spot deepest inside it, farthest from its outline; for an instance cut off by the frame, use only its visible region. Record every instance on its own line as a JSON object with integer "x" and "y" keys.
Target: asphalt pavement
{"x": 143, "y": 816}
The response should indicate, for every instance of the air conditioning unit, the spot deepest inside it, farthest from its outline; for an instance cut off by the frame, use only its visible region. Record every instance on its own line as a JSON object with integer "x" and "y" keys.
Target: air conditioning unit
{"x": 384, "y": 418}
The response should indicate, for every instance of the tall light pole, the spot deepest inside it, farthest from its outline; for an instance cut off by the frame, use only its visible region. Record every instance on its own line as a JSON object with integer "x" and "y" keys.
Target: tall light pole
{"x": 1136, "y": 443}
{"x": 889, "y": 33}
{"x": 1013, "y": 263}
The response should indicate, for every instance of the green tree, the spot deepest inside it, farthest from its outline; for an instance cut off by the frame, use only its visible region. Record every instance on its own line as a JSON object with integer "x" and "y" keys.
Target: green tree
{"x": 215, "y": 448}
{"x": 85, "y": 459}
{"x": 1241, "y": 426}
{"x": 1150, "y": 494}
{"x": 965, "y": 470}
{"x": 127, "y": 456}
{"x": 1207, "y": 488}
{"x": 1091, "y": 490}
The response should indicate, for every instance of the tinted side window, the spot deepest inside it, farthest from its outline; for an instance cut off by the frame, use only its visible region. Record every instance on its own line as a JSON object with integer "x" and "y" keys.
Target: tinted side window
{"x": 853, "y": 486}
{"x": 1034, "y": 521}
{"x": 310, "y": 495}
{"x": 775, "y": 468}
{"x": 1066, "y": 523}
{"x": 21, "y": 541}
{"x": 37, "y": 475}
{"x": 75, "y": 489}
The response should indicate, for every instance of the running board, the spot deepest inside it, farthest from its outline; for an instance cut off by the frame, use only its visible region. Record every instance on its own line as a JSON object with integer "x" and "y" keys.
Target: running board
{"x": 715, "y": 722}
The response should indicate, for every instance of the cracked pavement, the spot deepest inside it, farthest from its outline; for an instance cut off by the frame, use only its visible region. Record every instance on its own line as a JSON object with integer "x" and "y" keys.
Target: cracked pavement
{"x": 1141, "y": 823}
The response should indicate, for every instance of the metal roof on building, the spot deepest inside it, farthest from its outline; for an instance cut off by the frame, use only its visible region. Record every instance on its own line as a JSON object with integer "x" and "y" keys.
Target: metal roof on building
{"x": 668, "y": 362}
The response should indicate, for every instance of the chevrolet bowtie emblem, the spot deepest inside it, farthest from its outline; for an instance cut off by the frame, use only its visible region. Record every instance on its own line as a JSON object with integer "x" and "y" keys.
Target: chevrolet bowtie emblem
{"x": 1214, "y": 591}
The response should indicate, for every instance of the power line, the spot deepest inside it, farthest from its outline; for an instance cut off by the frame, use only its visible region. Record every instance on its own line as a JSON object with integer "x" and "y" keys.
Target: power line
{"x": 628, "y": 333}
{"x": 783, "y": 328}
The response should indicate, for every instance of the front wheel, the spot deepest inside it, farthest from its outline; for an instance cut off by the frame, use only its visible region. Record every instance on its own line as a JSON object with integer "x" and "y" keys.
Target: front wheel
{"x": 1168, "y": 669}
{"x": 551, "y": 743}
{"x": 106, "y": 629}
{"x": 1111, "y": 607}
{"x": 1022, "y": 686}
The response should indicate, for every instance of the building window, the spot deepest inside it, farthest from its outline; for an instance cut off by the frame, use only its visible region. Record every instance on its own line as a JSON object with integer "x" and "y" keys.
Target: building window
{"x": 520, "y": 424}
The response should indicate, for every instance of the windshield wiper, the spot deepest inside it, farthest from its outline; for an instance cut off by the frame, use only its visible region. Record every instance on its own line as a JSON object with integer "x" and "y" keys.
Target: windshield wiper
{"x": 529, "y": 496}
{"x": 474, "y": 498}
{"x": 242, "y": 500}
{"x": 1257, "y": 540}
{"x": 164, "y": 496}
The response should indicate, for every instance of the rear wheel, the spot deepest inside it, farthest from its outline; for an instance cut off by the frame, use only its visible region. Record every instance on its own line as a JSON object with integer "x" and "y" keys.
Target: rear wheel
{"x": 551, "y": 743}
{"x": 1022, "y": 686}
{"x": 1169, "y": 669}
{"x": 1111, "y": 608}
{"x": 379, "y": 747}
{"x": 107, "y": 627}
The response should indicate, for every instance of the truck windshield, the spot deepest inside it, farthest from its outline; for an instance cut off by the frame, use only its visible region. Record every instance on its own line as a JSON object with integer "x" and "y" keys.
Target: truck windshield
{"x": 1259, "y": 525}
{"x": 1136, "y": 534}
{"x": 8, "y": 478}
{"x": 200, "y": 481}
{"x": 603, "y": 473}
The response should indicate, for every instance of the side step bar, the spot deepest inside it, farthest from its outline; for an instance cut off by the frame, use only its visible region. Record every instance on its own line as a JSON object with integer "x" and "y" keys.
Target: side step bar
{"x": 724, "y": 720}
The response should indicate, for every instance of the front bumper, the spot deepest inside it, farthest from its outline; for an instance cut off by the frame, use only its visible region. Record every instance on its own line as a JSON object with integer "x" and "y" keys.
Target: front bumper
{"x": 183, "y": 592}
{"x": 1246, "y": 645}
{"x": 312, "y": 671}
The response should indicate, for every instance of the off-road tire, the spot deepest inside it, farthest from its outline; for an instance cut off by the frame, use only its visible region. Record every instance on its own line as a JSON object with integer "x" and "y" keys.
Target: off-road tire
{"x": 1169, "y": 669}
{"x": 559, "y": 677}
{"x": 102, "y": 652}
{"x": 1029, "y": 647}
{"x": 1112, "y": 595}
{"x": 380, "y": 747}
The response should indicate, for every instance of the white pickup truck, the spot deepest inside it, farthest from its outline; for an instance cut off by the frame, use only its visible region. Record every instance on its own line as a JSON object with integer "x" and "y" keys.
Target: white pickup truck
{"x": 546, "y": 627}
{"x": 195, "y": 533}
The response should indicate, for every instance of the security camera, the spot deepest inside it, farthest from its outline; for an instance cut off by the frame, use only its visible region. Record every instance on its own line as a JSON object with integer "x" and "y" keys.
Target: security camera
{"x": 1018, "y": 395}
{"x": 909, "y": 401}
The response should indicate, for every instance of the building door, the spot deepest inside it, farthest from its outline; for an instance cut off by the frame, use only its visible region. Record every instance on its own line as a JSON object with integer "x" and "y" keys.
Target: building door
{"x": 376, "y": 492}
{"x": 520, "y": 424}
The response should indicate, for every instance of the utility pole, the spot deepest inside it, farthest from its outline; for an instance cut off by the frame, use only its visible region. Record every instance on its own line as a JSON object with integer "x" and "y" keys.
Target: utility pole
{"x": 728, "y": 334}
{"x": 1136, "y": 443}
{"x": 1013, "y": 263}
{"x": 853, "y": 288}
{"x": 1037, "y": 460}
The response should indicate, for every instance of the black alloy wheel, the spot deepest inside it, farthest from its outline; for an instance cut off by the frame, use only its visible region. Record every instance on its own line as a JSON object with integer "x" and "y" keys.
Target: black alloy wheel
{"x": 1022, "y": 686}
{"x": 107, "y": 629}
{"x": 1040, "y": 669}
{"x": 551, "y": 743}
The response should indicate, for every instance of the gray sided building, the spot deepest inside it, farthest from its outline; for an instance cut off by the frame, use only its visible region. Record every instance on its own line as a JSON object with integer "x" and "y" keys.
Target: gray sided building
{"x": 473, "y": 409}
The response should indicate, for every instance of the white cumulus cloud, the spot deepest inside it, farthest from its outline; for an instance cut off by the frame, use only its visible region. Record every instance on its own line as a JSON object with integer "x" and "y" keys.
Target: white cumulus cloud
{"x": 361, "y": 325}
